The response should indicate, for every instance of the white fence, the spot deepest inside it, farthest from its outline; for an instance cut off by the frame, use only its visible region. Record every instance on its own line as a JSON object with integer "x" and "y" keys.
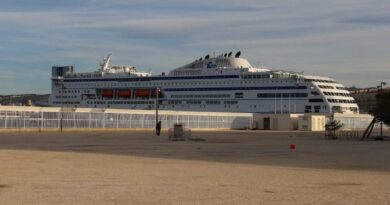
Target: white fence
{"x": 356, "y": 121}
{"x": 49, "y": 118}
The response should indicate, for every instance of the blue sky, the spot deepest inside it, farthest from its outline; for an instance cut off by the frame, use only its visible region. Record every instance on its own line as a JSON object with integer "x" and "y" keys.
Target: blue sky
{"x": 347, "y": 40}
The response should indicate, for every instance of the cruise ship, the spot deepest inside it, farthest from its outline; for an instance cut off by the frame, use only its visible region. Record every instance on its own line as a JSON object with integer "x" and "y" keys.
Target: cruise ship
{"x": 218, "y": 83}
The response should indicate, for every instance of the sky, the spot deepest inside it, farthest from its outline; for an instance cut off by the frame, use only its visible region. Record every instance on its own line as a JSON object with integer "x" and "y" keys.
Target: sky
{"x": 344, "y": 39}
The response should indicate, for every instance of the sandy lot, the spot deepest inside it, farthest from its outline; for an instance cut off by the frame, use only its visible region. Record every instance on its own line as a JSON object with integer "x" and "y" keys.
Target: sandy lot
{"x": 229, "y": 167}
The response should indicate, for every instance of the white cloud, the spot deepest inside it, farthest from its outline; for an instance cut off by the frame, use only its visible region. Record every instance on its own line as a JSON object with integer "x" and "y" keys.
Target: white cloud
{"x": 308, "y": 35}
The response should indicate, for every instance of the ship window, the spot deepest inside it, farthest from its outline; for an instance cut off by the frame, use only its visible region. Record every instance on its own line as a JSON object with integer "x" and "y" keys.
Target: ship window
{"x": 314, "y": 93}
{"x": 307, "y": 108}
{"x": 239, "y": 95}
{"x": 316, "y": 100}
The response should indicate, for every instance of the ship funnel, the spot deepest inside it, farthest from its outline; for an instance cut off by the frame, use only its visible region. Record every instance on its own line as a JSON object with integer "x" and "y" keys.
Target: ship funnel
{"x": 238, "y": 54}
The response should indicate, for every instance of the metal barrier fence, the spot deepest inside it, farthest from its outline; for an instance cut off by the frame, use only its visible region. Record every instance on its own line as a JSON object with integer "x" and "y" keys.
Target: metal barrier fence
{"x": 356, "y": 122}
{"x": 85, "y": 120}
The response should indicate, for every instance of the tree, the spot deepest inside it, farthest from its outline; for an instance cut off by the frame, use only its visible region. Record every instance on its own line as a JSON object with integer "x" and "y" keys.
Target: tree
{"x": 331, "y": 127}
{"x": 382, "y": 108}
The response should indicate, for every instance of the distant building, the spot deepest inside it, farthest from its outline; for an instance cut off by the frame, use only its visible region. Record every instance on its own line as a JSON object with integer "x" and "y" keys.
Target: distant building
{"x": 366, "y": 98}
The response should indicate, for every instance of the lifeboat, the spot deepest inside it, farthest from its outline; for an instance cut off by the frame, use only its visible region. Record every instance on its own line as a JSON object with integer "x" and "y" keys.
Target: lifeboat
{"x": 107, "y": 93}
{"x": 142, "y": 92}
{"x": 124, "y": 93}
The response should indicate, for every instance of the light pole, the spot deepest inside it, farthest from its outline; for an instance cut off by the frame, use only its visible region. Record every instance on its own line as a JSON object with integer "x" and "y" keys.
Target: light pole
{"x": 157, "y": 123}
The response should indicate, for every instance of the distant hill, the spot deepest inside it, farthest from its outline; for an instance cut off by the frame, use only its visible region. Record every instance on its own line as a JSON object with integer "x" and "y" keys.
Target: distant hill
{"x": 23, "y": 99}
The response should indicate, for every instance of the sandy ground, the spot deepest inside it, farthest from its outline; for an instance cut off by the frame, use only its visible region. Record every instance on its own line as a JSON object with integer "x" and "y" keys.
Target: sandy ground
{"x": 229, "y": 167}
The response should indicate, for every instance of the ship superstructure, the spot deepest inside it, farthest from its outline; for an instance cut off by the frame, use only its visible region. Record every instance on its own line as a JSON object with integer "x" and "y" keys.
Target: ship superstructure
{"x": 223, "y": 83}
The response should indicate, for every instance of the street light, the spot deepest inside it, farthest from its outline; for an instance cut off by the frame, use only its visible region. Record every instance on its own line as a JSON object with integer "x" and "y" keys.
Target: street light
{"x": 156, "y": 105}
{"x": 380, "y": 86}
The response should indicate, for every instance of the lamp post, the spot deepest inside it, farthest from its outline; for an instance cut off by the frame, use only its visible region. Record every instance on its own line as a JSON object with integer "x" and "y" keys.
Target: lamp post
{"x": 158, "y": 126}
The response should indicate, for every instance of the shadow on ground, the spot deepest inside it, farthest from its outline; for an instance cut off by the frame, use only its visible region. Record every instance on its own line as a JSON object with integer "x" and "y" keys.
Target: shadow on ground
{"x": 249, "y": 147}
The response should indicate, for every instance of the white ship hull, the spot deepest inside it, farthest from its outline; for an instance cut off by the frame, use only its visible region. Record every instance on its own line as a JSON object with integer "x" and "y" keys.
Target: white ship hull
{"x": 212, "y": 89}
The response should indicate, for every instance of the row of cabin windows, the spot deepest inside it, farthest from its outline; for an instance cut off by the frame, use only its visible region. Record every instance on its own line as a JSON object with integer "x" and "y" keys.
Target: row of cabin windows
{"x": 255, "y": 76}
{"x": 239, "y": 88}
{"x": 66, "y": 102}
{"x": 340, "y": 109}
{"x": 201, "y": 96}
{"x": 66, "y": 97}
{"x": 213, "y": 102}
{"x": 171, "y": 102}
{"x": 70, "y": 91}
{"x": 279, "y": 95}
{"x": 121, "y": 102}
{"x": 331, "y": 87}
{"x": 337, "y": 94}
{"x": 317, "y": 108}
{"x": 326, "y": 86}
{"x": 176, "y": 83}
{"x": 316, "y": 100}
{"x": 341, "y": 101}
{"x": 198, "y": 102}
{"x": 341, "y": 88}
{"x": 321, "y": 81}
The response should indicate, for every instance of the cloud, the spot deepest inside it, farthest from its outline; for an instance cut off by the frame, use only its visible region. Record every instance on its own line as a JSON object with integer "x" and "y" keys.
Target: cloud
{"x": 377, "y": 20}
{"x": 319, "y": 37}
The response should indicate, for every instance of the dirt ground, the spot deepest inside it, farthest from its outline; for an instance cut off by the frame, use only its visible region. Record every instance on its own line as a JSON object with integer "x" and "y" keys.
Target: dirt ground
{"x": 228, "y": 167}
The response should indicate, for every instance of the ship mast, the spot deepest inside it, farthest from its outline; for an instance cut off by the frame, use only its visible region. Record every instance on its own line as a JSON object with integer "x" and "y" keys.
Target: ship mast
{"x": 106, "y": 62}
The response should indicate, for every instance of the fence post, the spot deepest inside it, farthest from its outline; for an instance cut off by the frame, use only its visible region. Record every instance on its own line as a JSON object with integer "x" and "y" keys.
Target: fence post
{"x": 89, "y": 120}
{"x": 143, "y": 120}
{"x": 251, "y": 122}
{"x": 24, "y": 120}
{"x": 40, "y": 121}
{"x": 131, "y": 115}
{"x": 74, "y": 119}
{"x": 104, "y": 120}
{"x": 117, "y": 120}
{"x": 5, "y": 123}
